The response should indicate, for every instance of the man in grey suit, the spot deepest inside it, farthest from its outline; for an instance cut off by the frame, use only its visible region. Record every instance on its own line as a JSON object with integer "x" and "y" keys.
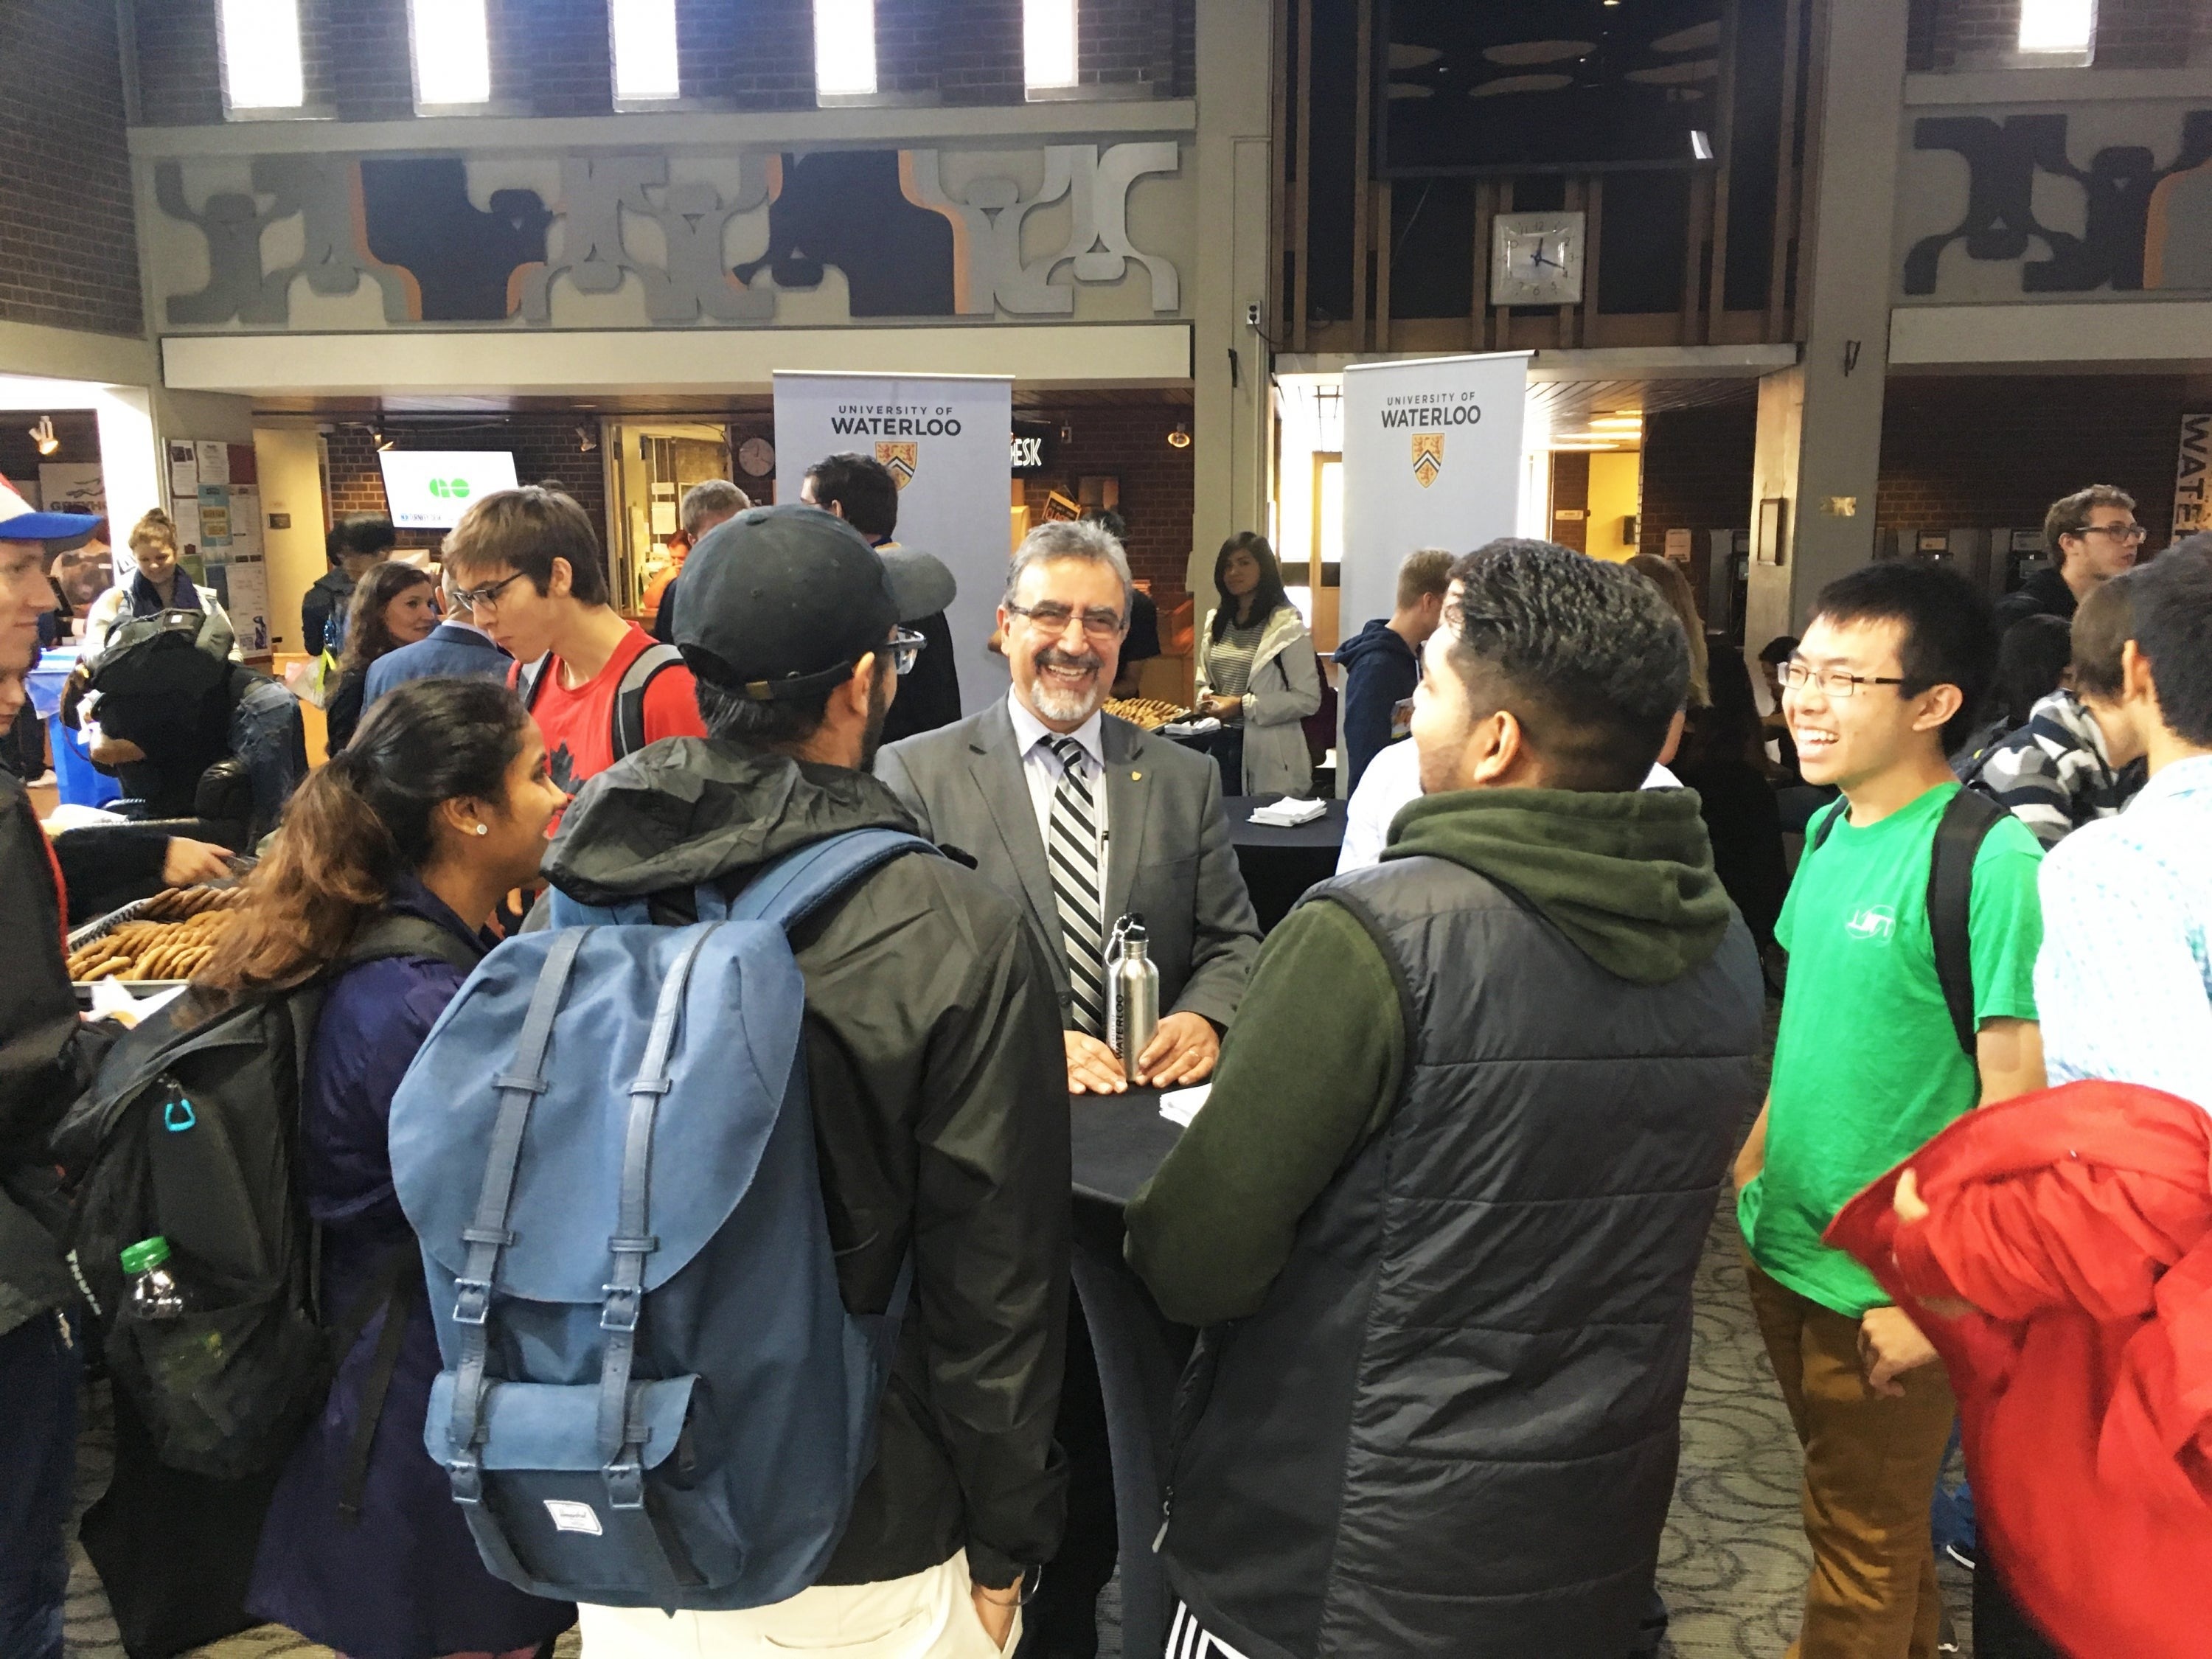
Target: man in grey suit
{"x": 1086, "y": 818}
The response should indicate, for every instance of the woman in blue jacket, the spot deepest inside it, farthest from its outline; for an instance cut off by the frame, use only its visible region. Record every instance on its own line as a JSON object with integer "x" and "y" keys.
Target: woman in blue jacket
{"x": 438, "y": 808}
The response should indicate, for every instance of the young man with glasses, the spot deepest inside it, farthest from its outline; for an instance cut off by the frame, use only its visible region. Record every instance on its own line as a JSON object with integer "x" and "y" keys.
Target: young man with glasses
{"x": 1867, "y": 1066}
{"x": 2092, "y": 537}
{"x": 526, "y": 565}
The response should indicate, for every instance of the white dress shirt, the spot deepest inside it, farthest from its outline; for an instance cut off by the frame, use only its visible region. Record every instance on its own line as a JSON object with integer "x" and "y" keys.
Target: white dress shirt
{"x": 1392, "y": 779}
{"x": 1041, "y": 770}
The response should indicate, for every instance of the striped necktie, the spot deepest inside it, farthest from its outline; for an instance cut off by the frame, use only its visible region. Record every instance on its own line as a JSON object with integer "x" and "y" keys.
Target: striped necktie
{"x": 1072, "y": 854}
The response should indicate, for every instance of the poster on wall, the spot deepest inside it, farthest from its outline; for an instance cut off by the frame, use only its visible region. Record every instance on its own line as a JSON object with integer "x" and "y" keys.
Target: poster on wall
{"x": 2193, "y": 482}
{"x": 944, "y": 439}
{"x": 72, "y": 487}
{"x": 245, "y": 596}
{"x": 1432, "y": 458}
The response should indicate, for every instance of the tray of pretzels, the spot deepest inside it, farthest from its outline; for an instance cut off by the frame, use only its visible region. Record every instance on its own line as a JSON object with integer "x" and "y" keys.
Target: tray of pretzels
{"x": 1151, "y": 712}
{"x": 166, "y": 938}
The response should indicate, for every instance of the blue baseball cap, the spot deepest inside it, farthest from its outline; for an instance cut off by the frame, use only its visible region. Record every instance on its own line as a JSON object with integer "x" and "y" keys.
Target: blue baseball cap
{"x": 59, "y": 531}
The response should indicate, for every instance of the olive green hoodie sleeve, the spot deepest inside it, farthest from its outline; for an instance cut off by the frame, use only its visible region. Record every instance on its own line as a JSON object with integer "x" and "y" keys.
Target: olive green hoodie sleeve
{"x": 1308, "y": 1073}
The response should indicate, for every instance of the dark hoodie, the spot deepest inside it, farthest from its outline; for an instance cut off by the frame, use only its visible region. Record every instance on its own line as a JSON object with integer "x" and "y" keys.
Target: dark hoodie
{"x": 933, "y": 1051}
{"x": 1380, "y": 672}
{"x": 1627, "y": 878}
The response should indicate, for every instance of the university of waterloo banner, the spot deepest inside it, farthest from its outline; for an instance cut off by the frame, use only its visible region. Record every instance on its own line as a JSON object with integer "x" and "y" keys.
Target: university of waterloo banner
{"x": 944, "y": 439}
{"x": 1432, "y": 458}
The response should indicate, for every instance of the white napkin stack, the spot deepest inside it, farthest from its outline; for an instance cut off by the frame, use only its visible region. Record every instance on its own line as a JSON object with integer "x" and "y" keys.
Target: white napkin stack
{"x": 1288, "y": 814}
{"x": 1180, "y": 1105}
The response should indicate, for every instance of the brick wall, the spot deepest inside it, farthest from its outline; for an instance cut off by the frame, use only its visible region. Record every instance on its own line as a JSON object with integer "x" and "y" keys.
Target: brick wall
{"x": 765, "y": 61}
{"x": 1993, "y": 452}
{"x": 544, "y": 448}
{"x": 69, "y": 244}
{"x": 1125, "y": 43}
{"x": 551, "y": 56}
{"x": 1696, "y": 473}
{"x": 1570, "y": 470}
{"x": 1158, "y": 489}
{"x": 978, "y": 46}
{"x": 180, "y": 64}
{"x": 1951, "y": 34}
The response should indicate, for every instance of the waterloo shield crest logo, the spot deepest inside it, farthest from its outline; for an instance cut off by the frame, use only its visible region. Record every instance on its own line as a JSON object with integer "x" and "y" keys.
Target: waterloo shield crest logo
{"x": 900, "y": 460}
{"x": 1428, "y": 456}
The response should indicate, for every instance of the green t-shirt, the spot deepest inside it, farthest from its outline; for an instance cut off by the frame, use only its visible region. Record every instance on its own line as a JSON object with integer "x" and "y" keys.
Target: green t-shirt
{"x": 1866, "y": 1067}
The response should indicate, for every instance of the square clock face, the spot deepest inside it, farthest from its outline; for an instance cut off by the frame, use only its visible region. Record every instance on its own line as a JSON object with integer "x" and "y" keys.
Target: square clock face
{"x": 1536, "y": 259}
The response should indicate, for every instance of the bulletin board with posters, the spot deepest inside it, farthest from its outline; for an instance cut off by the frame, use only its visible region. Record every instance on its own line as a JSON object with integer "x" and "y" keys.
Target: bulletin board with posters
{"x": 215, "y": 499}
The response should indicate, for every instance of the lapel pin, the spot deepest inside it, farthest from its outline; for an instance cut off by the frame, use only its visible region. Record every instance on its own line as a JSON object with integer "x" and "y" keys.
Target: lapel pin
{"x": 1136, "y": 777}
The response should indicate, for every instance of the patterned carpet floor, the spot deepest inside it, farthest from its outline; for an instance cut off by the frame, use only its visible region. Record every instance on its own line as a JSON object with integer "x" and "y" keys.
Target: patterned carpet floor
{"x": 1731, "y": 1566}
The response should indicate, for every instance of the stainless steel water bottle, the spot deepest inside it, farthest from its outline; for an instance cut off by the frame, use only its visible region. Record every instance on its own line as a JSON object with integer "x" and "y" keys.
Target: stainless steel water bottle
{"x": 1132, "y": 993}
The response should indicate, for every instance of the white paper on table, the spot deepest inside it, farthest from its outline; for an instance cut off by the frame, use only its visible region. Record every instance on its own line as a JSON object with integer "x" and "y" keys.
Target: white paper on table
{"x": 1190, "y": 728}
{"x": 1289, "y": 814}
{"x": 1180, "y": 1105}
{"x": 70, "y": 815}
{"x": 110, "y": 1000}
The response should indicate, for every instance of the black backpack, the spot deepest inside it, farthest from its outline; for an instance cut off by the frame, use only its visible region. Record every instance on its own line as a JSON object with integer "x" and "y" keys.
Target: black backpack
{"x": 179, "y": 653}
{"x": 190, "y": 1131}
{"x": 626, "y": 724}
{"x": 1967, "y": 822}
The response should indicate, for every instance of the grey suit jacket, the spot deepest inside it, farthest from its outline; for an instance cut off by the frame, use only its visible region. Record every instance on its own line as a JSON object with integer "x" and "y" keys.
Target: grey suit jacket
{"x": 1167, "y": 856}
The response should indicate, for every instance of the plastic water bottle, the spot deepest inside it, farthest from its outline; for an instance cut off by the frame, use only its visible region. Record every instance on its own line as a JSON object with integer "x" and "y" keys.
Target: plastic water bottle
{"x": 153, "y": 1290}
{"x": 1133, "y": 993}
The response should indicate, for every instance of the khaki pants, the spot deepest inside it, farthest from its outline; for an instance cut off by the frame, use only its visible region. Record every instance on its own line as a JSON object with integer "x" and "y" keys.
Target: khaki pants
{"x": 927, "y": 1616}
{"x": 1871, "y": 1464}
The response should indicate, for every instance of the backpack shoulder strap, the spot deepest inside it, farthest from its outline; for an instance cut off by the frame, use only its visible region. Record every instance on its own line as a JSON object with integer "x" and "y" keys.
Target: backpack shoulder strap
{"x": 530, "y": 679}
{"x": 628, "y": 732}
{"x": 801, "y": 882}
{"x": 1967, "y": 822}
{"x": 1826, "y": 824}
{"x": 391, "y": 935}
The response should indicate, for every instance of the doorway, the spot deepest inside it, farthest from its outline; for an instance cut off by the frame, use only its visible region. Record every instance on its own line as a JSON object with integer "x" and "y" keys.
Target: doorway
{"x": 652, "y": 463}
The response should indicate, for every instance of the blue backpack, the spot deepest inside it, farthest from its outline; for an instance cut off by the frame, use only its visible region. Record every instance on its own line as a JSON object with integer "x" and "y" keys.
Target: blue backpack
{"x": 653, "y": 1395}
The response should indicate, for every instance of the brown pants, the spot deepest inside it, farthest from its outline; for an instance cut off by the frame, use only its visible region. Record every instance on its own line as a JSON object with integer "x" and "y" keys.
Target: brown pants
{"x": 1871, "y": 1463}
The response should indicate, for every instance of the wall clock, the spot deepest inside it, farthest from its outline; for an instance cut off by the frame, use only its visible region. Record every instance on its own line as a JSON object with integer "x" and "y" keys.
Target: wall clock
{"x": 1536, "y": 259}
{"x": 758, "y": 456}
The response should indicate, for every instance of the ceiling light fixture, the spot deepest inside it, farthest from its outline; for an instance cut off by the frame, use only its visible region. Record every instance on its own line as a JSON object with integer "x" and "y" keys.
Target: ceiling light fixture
{"x": 43, "y": 436}
{"x": 1179, "y": 435}
{"x": 379, "y": 437}
{"x": 587, "y": 438}
{"x": 1624, "y": 422}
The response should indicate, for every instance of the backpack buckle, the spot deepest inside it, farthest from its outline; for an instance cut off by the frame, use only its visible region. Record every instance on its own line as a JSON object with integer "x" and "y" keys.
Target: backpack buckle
{"x": 625, "y": 1484}
{"x": 619, "y": 1312}
{"x": 467, "y": 1476}
{"x": 472, "y": 1301}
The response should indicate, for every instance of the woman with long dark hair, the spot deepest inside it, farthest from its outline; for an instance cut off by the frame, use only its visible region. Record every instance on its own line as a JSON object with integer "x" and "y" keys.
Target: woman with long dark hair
{"x": 1257, "y": 673}
{"x": 438, "y": 807}
{"x": 394, "y": 604}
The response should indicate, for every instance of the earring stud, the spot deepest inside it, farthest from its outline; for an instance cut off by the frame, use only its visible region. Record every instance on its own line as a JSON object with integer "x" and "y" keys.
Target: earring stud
{"x": 483, "y": 830}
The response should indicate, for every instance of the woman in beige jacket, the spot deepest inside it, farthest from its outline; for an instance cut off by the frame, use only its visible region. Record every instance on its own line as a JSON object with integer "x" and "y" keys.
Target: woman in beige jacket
{"x": 1257, "y": 674}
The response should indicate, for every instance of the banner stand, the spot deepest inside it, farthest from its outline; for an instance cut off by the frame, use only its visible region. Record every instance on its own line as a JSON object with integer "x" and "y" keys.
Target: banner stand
{"x": 946, "y": 439}
{"x": 1432, "y": 458}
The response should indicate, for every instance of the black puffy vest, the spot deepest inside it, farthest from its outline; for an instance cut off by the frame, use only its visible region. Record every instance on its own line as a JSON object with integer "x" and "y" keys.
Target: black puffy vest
{"x": 1452, "y": 1428}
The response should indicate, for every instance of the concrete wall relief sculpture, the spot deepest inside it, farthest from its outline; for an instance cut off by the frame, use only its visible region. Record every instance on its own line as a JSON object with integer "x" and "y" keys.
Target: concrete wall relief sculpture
{"x": 2124, "y": 221}
{"x": 915, "y": 233}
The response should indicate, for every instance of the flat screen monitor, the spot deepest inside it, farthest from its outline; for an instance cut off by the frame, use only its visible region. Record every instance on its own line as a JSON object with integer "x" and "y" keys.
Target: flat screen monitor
{"x": 430, "y": 489}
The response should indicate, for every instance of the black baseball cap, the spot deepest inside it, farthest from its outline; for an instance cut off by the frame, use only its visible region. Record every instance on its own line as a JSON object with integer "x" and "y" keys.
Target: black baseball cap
{"x": 782, "y": 601}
